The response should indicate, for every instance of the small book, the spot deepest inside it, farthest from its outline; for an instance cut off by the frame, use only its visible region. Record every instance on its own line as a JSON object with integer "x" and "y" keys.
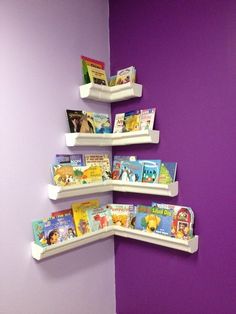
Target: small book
{"x": 147, "y": 117}
{"x": 182, "y": 224}
{"x": 120, "y": 214}
{"x": 151, "y": 170}
{"x": 126, "y": 75}
{"x": 131, "y": 171}
{"x": 132, "y": 121}
{"x": 117, "y": 164}
{"x": 90, "y": 62}
{"x": 79, "y": 121}
{"x": 112, "y": 81}
{"x": 100, "y": 160}
{"x": 62, "y": 212}
{"x": 167, "y": 172}
{"x": 97, "y": 76}
{"x": 165, "y": 213}
{"x": 99, "y": 218}
{"x": 102, "y": 123}
{"x": 119, "y": 123}
{"x": 73, "y": 159}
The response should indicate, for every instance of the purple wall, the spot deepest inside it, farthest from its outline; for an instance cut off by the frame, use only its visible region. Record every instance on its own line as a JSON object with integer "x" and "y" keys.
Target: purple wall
{"x": 41, "y": 44}
{"x": 185, "y": 55}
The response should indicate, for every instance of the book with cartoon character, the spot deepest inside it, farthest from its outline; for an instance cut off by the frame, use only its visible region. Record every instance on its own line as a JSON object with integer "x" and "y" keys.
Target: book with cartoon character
{"x": 73, "y": 159}
{"x": 131, "y": 171}
{"x": 147, "y": 117}
{"x": 99, "y": 160}
{"x": 97, "y": 76}
{"x": 80, "y": 121}
{"x": 119, "y": 123}
{"x": 167, "y": 172}
{"x": 145, "y": 219}
{"x": 90, "y": 62}
{"x": 99, "y": 218}
{"x": 117, "y": 164}
{"x": 132, "y": 121}
{"x": 151, "y": 170}
{"x": 165, "y": 213}
{"x": 126, "y": 75}
{"x": 120, "y": 214}
{"x": 182, "y": 224}
{"x": 102, "y": 123}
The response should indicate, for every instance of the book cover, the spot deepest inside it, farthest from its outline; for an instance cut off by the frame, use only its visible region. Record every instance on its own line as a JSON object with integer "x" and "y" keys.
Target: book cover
{"x": 91, "y": 62}
{"x": 147, "y": 117}
{"x": 99, "y": 218}
{"x": 80, "y": 215}
{"x": 151, "y": 170}
{"x": 165, "y": 213}
{"x": 167, "y": 172}
{"x": 97, "y": 76}
{"x": 120, "y": 214}
{"x": 119, "y": 123}
{"x": 131, "y": 171}
{"x": 182, "y": 224}
{"x": 132, "y": 121}
{"x": 73, "y": 159}
{"x": 112, "y": 81}
{"x": 101, "y": 160}
{"x": 126, "y": 75}
{"x": 66, "y": 175}
{"x": 79, "y": 121}
{"x": 62, "y": 212}
{"x": 117, "y": 164}
{"x": 145, "y": 219}
{"x": 102, "y": 123}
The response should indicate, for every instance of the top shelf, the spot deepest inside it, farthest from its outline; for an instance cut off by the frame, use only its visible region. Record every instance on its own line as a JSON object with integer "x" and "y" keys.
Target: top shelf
{"x": 110, "y": 94}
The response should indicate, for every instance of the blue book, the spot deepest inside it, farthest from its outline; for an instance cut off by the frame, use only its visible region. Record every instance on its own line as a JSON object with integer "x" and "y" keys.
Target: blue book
{"x": 131, "y": 171}
{"x": 165, "y": 213}
{"x": 151, "y": 170}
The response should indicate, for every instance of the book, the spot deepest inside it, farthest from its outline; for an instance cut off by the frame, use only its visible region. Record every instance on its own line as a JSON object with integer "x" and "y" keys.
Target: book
{"x": 80, "y": 215}
{"x": 126, "y": 75}
{"x": 132, "y": 121}
{"x": 119, "y": 123}
{"x": 112, "y": 81}
{"x": 101, "y": 160}
{"x": 62, "y": 159}
{"x": 151, "y": 170}
{"x": 99, "y": 218}
{"x": 145, "y": 219}
{"x": 73, "y": 159}
{"x": 90, "y": 62}
{"x": 147, "y": 117}
{"x": 167, "y": 172}
{"x": 182, "y": 224}
{"x": 131, "y": 171}
{"x": 120, "y": 214}
{"x": 165, "y": 213}
{"x": 117, "y": 164}
{"x": 79, "y": 121}
{"x": 67, "y": 175}
{"x": 97, "y": 76}
{"x": 102, "y": 123}
{"x": 62, "y": 212}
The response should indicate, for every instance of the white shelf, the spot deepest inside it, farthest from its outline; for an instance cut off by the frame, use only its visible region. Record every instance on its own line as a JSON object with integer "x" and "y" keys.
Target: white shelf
{"x": 190, "y": 246}
{"x": 112, "y": 139}
{"x": 57, "y": 192}
{"x": 110, "y": 94}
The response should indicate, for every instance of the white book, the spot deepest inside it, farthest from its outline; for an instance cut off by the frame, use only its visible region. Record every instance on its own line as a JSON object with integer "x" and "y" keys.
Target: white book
{"x": 147, "y": 117}
{"x": 119, "y": 123}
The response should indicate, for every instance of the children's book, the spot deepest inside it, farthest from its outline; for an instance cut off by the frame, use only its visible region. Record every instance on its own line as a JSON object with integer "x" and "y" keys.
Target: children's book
{"x": 101, "y": 160}
{"x": 80, "y": 215}
{"x": 91, "y": 62}
{"x": 151, "y": 170}
{"x": 112, "y": 81}
{"x": 117, "y": 164}
{"x": 62, "y": 159}
{"x": 182, "y": 224}
{"x": 62, "y": 212}
{"x": 132, "y": 121}
{"x": 167, "y": 172}
{"x": 97, "y": 76}
{"x": 79, "y": 121}
{"x": 119, "y": 123}
{"x": 147, "y": 117}
{"x": 73, "y": 159}
{"x": 126, "y": 75}
{"x": 165, "y": 213}
{"x": 66, "y": 175}
{"x": 120, "y": 214}
{"x": 102, "y": 123}
{"x": 131, "y": 171}
{"x": 99, "y": 218}
{"x": 143, "y": 215}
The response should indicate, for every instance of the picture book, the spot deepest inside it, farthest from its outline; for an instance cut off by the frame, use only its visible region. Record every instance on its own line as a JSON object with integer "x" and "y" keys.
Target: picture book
{"x": 80, "y": 215}
{"x": 97, "y": 76}
{"x": 167, "y": 172}
{"x": 73, "y": 159}
{"x": 53, "y": 230}
{"x": 101, "y": 160}
{"x": 62, "y": 212}
{"x": 102, "y": 123}
{"x": 151, "y": 170}
{"x": 79, "y": 121}
{"x": 132, "y": 121}
{"x": 165, "y": 213}
{"x": 126, "y": 75}
{"x": 99, "y": 218}
{"x": 112, "y": 81}
{"x": 131, "y": 171}
{"x": 62, "y": 159}
{"x": 119, "y": 123}
{"x": 182, "y": 224}
{"x": 147, "y": 117}
{"x": 117, "y": 164}
{"x": 66, "y": 175}
{"x": 91, "y": 62}
{"x": 120, "y": 214}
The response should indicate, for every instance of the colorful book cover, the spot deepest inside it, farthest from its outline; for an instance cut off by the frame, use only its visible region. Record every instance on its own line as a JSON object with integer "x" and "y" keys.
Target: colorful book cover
{"x": 119, "y": 123}
{"x": 91, "y": 62}
{"x": 120, "y": 214}
{"x": 182, "y": 224}
{"x": 145, "y": 219}
{"x": 167, "y": 172}
{"x": 117, "y": 164}
{"x": 99, "y": 218}
{"x": 102, "y": 123}
{"x": 165, "y": 213}
{"x": 62, "y": 212}
{"x": 147, "y": 117}
{"x": 131, "y": 171}
{"x": 101, "y": 160}
{"x": 66, "y": 175}
{"x": 126, "y": 75}
{"x": 132, "y": 121}
{"x": 79, "y": 121}
{"x": 112, "y": 81}
{"x": 97, "y": 76}
{"x": 73, "y": 159}
{"x": 80, "y": 215}
{"x": 151, "y": 170}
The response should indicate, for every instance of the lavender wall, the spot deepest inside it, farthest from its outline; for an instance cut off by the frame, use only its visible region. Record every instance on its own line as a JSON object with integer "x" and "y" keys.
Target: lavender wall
{"x": 41, "y": 44}
{"x": 185, "y": 55}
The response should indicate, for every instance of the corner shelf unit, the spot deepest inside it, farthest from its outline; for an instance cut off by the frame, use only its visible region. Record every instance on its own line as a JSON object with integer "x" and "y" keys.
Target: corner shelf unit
{"x": 110, "y": 94}
{"x": 190, "y": 246}
{"x": 112, "y": 139}
{"x": 59, "y": 192}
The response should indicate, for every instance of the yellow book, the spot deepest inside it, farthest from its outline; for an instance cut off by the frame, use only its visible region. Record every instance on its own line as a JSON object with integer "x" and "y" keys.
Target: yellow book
{"x": 97, "y": 76}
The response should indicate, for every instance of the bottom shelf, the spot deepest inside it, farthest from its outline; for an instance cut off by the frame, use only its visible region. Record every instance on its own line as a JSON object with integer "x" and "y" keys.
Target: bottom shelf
{"x": 190, "y": 246}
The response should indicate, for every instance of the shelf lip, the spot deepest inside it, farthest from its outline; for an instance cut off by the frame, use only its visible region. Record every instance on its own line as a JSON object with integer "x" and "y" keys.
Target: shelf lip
{"x": 58, "y": 192}
{"x": 112, "y": 139}
{"x": 110, "y": 94}
{"x": 190, "y": 246}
